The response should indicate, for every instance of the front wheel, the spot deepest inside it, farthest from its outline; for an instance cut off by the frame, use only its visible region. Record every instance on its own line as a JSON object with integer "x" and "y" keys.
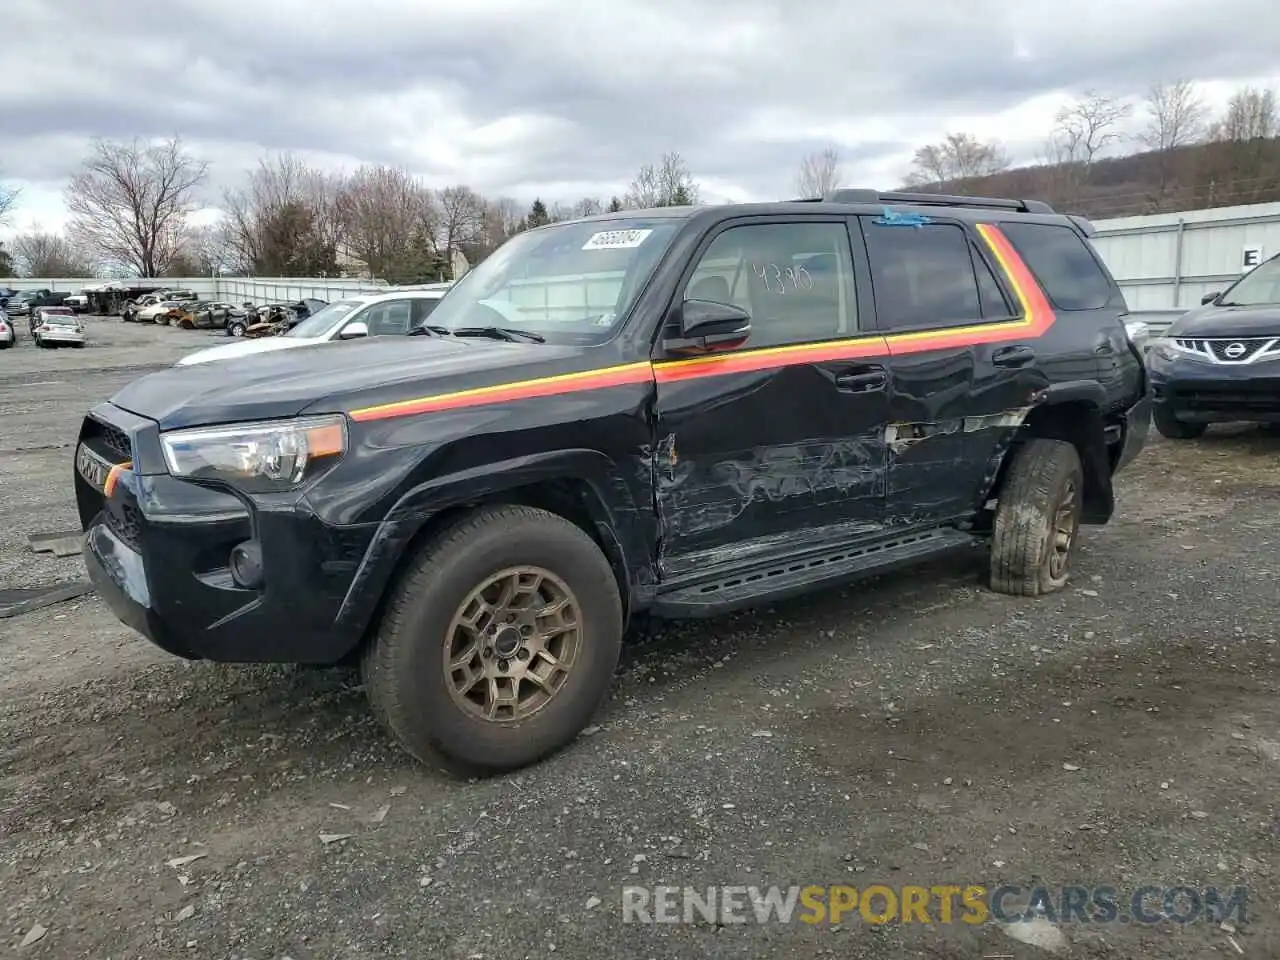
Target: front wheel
{"x": 1173, "y": 428}
{"x": 499, "y": 643}
{"x": 1037, "y": 519}
{"x": 236, "y": 329}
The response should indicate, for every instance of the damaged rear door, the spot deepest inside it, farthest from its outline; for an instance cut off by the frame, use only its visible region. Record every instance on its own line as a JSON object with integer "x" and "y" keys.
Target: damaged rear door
{"x": 962, "y": 360}
{"x": 778, "y": 443}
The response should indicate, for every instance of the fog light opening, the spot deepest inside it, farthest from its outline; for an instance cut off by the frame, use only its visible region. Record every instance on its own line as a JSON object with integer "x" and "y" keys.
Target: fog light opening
{"x": 246, "y": 564}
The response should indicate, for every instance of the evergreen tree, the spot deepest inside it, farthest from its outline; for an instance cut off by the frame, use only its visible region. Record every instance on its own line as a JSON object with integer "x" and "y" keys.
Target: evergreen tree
{"x": 538, "y": 215}
{"x": 615, "y": 205}
{"x": 679, "y": 197}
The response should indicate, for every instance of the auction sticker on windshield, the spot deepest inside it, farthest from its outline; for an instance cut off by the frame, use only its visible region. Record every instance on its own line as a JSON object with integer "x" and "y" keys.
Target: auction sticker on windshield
{"x": 616, "y": 239}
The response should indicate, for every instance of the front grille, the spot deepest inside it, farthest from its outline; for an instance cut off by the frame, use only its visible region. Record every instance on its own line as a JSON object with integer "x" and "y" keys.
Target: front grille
{"x": 1224, "y": 350}
{"x": 125, "y": 522}
{"x": 111, "y": 442}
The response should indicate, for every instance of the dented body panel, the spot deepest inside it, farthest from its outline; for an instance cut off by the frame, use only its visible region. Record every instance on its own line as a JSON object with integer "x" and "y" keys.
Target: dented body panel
{"x": 686, "y": 469}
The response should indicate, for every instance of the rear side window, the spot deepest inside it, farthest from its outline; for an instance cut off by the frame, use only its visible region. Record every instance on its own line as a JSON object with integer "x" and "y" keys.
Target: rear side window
{"x": 1062, "y": 264}
{"x": 924, "y": 276}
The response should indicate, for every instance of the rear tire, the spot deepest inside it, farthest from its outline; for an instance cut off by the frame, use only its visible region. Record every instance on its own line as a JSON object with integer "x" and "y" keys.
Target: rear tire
{"x": 529, "y": 557}
{"x": 1173, "y": 428}
{"x": 1037, "y": 519}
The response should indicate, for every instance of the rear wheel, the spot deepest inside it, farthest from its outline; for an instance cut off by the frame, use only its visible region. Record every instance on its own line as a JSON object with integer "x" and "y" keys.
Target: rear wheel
{"x": 1037, "y": 519}
{"x": 499, "y": 643}
{"x": 1175, "y": 429}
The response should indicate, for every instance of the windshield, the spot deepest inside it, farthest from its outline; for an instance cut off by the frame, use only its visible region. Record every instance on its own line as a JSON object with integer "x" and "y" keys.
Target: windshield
{"x": 322, "y": 321}
{"x": 1260, "y": 285}
{"x": 569, "y": 283}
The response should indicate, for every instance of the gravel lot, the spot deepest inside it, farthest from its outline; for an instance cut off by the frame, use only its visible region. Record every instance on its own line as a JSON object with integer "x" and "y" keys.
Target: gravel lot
{"x": 913, "y": 730}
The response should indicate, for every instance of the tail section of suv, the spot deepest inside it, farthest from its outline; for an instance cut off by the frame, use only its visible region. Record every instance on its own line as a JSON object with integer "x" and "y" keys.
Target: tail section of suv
{"x": 677, "y": 412}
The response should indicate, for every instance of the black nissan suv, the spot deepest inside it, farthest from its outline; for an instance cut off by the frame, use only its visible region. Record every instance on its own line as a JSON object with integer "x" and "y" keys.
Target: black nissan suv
{"x": 1220, "y": 362}
{"x": 674, "y": 412}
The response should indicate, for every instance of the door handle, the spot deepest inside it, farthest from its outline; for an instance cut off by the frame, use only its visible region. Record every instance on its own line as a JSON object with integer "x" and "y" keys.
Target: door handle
{"x": 862, "y": 382}
{"x": 1018, "y": 356}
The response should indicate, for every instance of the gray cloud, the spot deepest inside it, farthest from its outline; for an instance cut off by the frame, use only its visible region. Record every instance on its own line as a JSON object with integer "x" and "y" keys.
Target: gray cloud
{"x": 394, "y": 81}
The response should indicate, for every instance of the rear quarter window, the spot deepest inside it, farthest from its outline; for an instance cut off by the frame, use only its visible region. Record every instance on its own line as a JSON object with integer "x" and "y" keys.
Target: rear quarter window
{"x": 1062, "y": 264}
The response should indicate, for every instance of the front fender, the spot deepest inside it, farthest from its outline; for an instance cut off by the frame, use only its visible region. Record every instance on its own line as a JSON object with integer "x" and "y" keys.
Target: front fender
{"x": 604, "y": 492}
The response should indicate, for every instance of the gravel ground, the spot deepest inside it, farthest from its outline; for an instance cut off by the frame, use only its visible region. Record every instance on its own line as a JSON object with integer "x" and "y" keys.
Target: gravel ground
{"x": 917, "y": 729}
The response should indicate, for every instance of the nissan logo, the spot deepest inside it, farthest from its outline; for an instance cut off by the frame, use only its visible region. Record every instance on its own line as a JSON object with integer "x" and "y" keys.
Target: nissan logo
{"x": 1235, "y": 350}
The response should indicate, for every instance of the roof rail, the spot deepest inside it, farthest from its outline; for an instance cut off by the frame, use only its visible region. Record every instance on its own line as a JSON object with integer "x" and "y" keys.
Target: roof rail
{"x": 871, "y": 195}
{"x": 1084, "y": 223}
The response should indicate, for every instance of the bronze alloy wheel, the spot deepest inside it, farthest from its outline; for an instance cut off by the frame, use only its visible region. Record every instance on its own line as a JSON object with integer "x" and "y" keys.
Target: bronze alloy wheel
{"x": 512, "y": 644}
{"x": 1063, "y": 532}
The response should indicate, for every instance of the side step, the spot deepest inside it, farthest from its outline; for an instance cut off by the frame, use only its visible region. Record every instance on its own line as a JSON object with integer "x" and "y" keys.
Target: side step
{"x": 788, "y": 577}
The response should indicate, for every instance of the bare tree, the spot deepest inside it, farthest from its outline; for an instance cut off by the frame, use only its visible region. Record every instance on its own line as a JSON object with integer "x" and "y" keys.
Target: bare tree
{"x": 130, "y": 201}
{"x": 819, "y": 174}
{"x": 284, "y": 221}
{"x": 669, "y": 184}
{"x": 1175, "y": 118}
{"x": 380, "y": 209}
{"x": 462, "y": 221}
{"x": 40, "y": 253}
{"x": 1251, "y": 115}
{"x": 8, "y": 201}
{"x": 959, "y": 157}
{"x": 1085, "y": 128}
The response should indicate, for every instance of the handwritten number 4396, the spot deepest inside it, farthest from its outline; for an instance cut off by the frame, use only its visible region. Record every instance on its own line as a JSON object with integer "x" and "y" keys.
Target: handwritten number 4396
{"x": 781, "y": 279}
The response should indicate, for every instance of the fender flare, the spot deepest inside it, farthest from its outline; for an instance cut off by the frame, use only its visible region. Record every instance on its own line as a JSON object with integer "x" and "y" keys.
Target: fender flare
{"x": 1100, "y": 496}
{"x": 611, "y": 506}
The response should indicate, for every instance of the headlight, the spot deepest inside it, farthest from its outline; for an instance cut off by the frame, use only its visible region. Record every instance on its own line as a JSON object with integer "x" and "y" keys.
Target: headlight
{"x": 1166, "y": 348}
{"x": 1137, "y": 330}
{"x": 257, "y": 457}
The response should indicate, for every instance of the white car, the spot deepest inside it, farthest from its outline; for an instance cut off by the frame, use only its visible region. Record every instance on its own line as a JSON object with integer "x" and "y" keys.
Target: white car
{"x": 8, "y": 336}
{"x": 149, "y": 314}
{"x": 59, "y": 330}
{"x": 370, "y": 315}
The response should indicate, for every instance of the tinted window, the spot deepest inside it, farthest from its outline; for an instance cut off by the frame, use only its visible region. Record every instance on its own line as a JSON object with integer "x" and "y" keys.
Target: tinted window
{"x": 386, "y": 319}
{"x": 1062, "y": 264}
{"x": 995, "y": 305}
{"x": 922, "y": 276}
{"x": 795, "y": 279}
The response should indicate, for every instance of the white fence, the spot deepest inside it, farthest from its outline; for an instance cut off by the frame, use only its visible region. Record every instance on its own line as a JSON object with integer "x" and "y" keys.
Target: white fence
{"x": 230, "y": 289}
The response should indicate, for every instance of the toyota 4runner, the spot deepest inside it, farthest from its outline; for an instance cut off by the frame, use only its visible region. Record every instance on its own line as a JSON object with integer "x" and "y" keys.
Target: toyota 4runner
{"x": 676, "y": 412}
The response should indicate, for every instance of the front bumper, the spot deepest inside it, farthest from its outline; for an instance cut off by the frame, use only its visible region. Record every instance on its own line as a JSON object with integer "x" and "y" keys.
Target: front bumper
{"x": 1136, "y": 426}
{"x": 1196, "y": 391}
{"x": 157, "y": 550}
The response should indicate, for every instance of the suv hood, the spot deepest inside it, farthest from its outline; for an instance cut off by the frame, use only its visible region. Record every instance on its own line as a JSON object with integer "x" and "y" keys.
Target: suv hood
{"x": 327, "y": 377}
{"x": 1214, "y": 321}
{"x": 248, "y": 348}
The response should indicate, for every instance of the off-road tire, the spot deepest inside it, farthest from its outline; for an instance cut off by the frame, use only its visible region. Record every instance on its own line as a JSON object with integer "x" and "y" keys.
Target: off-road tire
{"x": 1022, "y": 542}
{"x": 1173, "y": 428}
{"x": 403, "y": 665}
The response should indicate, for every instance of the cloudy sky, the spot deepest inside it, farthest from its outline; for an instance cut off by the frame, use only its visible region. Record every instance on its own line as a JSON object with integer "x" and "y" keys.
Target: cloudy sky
{"x": 563, "y": 99}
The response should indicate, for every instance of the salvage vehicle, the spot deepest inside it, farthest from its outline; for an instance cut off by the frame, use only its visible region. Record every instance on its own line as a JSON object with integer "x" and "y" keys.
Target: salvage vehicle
{"x": 39, "y": 314}
{"x": 59, "y": 330}
{"x": 673, "y": 413}
{"x": 162, "y": 312}
{"x": 372, "y": 315}
{"x": 273, "y": 319}
{"x": 210, "y": 314}
{"x": 8, "y": 335}
{"x": 1220, "y": 363}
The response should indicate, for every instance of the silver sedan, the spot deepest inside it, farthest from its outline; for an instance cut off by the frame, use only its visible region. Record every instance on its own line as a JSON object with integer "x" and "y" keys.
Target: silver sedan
{"x": 59, "y": 331}
{"x": 7, "y": 334}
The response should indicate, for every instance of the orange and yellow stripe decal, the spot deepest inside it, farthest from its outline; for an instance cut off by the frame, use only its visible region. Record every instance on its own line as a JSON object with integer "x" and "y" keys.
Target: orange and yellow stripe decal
{"x": 1035, "y": 317}
{"x": 505, "y": 392}
{"x": 113, "y": 478}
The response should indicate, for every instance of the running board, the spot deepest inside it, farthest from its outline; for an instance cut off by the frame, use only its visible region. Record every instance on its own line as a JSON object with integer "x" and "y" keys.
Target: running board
{"x": 789, "y": 577}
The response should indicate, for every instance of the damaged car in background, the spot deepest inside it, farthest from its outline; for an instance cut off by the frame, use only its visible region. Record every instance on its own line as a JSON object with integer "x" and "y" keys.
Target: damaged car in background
{"x": 672, "y": 413}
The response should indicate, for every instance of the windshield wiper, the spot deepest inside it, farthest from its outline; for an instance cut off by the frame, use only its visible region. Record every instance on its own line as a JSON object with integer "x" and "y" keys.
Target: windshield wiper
{"x": 510, "y": 334}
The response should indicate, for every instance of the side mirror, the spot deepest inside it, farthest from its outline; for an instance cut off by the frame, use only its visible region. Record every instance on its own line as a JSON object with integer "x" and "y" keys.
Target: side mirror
{"x": 707, "y": 325}
{"x": 354, "y": 330}
{"x": 1210, "y": 297}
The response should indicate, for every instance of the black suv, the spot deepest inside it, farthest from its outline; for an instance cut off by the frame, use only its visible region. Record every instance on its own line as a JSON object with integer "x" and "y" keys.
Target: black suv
{"x": 1220, "y": 363}
{"x": 676, "y": 412}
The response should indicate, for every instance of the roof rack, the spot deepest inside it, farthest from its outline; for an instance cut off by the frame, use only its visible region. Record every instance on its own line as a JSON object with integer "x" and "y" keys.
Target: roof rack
{"x": 871, "y": 195}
